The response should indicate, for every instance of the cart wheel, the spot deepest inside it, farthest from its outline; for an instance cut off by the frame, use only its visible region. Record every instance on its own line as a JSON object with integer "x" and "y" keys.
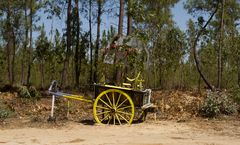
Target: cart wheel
{"x": 113, "y": 107}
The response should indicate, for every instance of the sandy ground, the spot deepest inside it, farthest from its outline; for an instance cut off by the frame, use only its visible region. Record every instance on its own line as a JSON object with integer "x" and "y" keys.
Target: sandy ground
{"x": 148, "y": 133}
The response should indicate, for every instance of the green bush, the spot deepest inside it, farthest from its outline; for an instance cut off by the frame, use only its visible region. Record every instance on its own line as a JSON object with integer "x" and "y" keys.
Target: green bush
{"x": 23, "y": 92}
{"x": 227, "y": 105}
{"x": 5, "y": 113}
{"x": 236, "y": 94}
{"x": 34, "y": 93}
{"x": 31, "y": 92}
{"x": 218, "y": 103}
{"x": 210, "y": 107}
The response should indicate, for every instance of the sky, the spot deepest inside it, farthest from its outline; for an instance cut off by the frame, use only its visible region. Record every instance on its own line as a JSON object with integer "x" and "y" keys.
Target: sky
{"x": 180, "y": 16}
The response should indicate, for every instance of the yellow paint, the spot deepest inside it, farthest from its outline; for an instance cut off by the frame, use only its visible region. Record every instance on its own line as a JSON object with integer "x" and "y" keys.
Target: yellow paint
{"x": 117, "y": 117}
{"x": 117, "y": 87}
{"x": 76, "y": 97}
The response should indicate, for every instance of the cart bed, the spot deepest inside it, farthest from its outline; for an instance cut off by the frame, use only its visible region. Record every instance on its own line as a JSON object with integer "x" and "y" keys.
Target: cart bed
{"x": 136, "y": 95}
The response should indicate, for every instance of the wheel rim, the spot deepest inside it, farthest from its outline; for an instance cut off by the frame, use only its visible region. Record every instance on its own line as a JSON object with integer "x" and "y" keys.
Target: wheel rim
{"x": 113, "y": 107}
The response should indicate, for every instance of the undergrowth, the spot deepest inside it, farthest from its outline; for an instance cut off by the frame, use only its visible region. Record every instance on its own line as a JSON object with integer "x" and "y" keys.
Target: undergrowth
{"x": 5, "y": 113}
{"x": 28, "y": 92}
{"x": 218, "y": 103}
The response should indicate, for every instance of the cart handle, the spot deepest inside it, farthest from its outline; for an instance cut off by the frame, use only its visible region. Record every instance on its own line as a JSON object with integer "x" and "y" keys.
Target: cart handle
{"x": 53, "y": 86}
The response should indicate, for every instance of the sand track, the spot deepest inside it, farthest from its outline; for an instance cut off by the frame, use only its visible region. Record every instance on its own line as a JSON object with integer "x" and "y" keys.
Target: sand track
{"x": 149, "y": 133}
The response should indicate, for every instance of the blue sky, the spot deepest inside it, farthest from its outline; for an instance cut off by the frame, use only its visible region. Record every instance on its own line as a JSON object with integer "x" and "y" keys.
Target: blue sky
{"x": 180, "y": 17}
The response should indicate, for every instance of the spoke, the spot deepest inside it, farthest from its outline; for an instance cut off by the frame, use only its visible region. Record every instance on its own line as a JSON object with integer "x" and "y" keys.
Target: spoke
{"x": 122, "y": 103}
{"x": 118, "y": 119}
{"x": 102, "y": 107}
{"x": 105, "y": 103}
{"x": 114, "y": 119}
{"x": 124, "y": 113}
{"x": 124, "y": 118}
{"x": 102, "y": 113}
{"x": 113, "y": 99}
{"x": 109, "y": 120}
{"x": 108, "y": 99}
{"x": 124, "y": 107}
{"x": 105, "y": 117}
{"x": 118, "y": 99}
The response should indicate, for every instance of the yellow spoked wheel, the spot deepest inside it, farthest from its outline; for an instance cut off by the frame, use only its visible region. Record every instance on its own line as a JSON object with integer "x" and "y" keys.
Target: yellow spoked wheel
{"x": 113, "y": 107}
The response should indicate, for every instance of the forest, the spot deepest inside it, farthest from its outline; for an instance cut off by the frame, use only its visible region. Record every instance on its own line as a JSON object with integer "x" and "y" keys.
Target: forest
{"x": 205, "y": 56}
{"x": 71, "y": 70}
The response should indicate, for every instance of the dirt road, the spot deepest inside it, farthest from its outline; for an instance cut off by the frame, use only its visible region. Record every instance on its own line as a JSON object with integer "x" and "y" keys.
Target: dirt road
{"x": 148, "y": 133}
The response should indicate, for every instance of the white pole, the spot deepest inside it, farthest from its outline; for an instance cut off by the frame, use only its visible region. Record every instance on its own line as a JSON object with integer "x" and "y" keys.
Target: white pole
{"x": 53, "y": 101}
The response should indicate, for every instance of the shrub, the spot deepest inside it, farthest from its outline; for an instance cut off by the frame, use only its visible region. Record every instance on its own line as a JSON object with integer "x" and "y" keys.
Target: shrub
{"x": 217, "y": 103}
{"x": 34, "y": 93}
{"x": 31, "y": 92}
{"x": 23, "y": 92}
{"x": 236, "y": 94}
{"x": 5, "y": 113}
{"x": 210, "y": 107}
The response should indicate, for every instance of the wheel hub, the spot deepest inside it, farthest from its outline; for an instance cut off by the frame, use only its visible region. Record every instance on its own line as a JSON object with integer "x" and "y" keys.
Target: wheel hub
{"x": 113, "y": 111}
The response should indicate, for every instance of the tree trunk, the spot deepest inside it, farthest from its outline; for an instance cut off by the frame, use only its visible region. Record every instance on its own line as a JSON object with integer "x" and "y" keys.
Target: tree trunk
{"x": 13, "y": 56}
{"x": 98, "y": 39}
{"x": 129, "y": 22}
{"x": 121, "y": 14}
{"x": 220, "y": 69}
{"x": 30, "y": 48}
{"x": 238, "y": 71}
{"x": 66, "y": 60}
{"x": 42, "y": 73}
{"x": 129, "y": 31}
{"x": 199, "y": 84}
{"x": 195, "y": 51}
{"x": 120, "y": 33}
{"x": 9, "y": 47}
{"x": 90, "y": 43}
{"x": 25, "y": 45}
{"x": 77, "y": 54}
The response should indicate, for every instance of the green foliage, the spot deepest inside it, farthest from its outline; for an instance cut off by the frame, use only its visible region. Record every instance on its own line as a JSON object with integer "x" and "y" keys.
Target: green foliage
{"x": 210, "y": 107}
{"x": 30, "y": 93}
{"x": 34, "y": 93}
{"x": 23, "y": 92}
{"x": 237, "y": 96}
{"x": 196, "y": 6}
{"x": 217, "y": 103}
{"x": 42, "y": 46}
{"x": 235, "y": 92}
{"x": 166, "y": 61}
{"x": 5, "y": 113}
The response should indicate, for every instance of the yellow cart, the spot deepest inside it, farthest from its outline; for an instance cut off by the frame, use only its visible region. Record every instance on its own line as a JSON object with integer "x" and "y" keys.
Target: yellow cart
{"x": 111, "y": 104}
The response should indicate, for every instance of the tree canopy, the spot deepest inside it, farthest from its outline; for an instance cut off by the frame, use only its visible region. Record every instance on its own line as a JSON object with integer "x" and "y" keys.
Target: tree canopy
{"x": 206, "y": 55}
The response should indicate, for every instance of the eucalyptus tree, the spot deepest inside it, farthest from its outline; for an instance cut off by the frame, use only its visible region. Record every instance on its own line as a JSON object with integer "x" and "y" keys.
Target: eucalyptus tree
{"x": 33, "y": 6}
{"x": 193, "y": 7}
{"x": 23, "y": 61}
{"x": 11, "y": 13}
{"x": 77, "y": 57}
{"x": 42, "y": 53}
{"x": 69, "y": 37}
{"x": 230, "y": 49}
{"x": 152, "y": 22}
{"x": 215, "y": 31}
{"x": 120, "y": 34}
{"x": 90, "y": 40}
{"x": 129, "y": 17}
{"x": 121, "y": 16}
{"x": 100, "y": 4}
